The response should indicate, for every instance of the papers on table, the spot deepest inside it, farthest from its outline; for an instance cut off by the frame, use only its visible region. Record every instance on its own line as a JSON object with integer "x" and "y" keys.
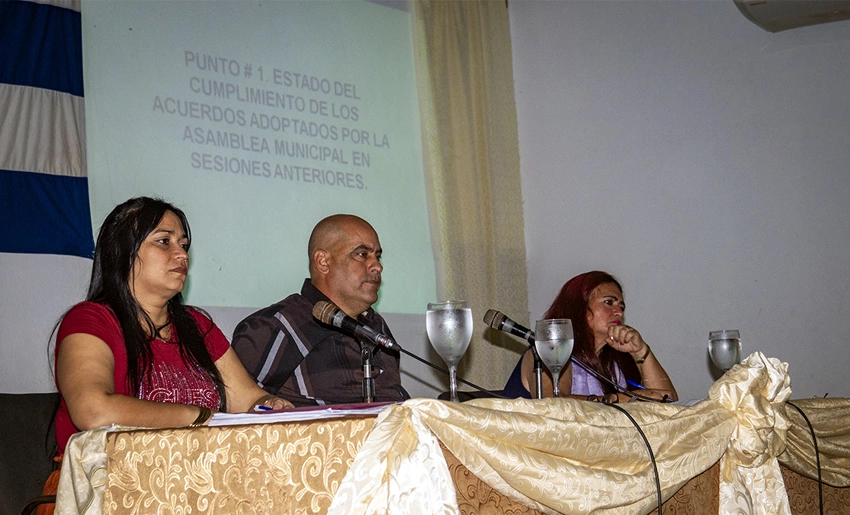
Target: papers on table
{"x": 298, "y": 414}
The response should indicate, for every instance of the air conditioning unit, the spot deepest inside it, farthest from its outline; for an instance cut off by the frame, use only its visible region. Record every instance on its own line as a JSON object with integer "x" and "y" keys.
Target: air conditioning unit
{"x": 778, "y": 15}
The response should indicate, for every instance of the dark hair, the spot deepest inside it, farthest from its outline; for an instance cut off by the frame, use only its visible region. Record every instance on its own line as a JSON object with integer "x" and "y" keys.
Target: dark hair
{"x": 572, "y": 303}
{"x": 118, "y": 242}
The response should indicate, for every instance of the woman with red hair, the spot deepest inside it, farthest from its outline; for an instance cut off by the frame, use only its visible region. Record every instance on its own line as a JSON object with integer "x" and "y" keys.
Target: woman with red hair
{"x": 611, "y": 349}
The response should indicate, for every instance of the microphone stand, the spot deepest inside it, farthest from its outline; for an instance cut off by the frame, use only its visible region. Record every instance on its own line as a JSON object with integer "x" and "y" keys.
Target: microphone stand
{"x": 538, "y": 370}
{"x": 366, "y": 349}
{"x": 538, "y": 375}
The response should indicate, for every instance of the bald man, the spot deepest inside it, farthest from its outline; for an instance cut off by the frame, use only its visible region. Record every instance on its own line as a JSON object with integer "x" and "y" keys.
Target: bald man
{"x": 296, "y": 357}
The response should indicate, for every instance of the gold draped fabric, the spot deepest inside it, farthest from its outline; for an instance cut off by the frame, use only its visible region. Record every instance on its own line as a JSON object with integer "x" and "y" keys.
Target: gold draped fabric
{"x": 569, "y": 456}
{"x": 831, "y": 419}
{"x": 521, "y": 456}
{"x": 471, "y": 157}
{"x": 83, "y": 478}
{"x": 755, "y": 392}
{"x": 411, "y": 476}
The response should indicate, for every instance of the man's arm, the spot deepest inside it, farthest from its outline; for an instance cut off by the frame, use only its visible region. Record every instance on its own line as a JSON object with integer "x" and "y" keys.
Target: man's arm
{"x": 256, "y": 341}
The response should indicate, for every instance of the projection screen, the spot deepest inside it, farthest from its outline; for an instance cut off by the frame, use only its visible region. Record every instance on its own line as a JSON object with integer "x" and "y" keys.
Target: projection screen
{"x": 258, "y": 119}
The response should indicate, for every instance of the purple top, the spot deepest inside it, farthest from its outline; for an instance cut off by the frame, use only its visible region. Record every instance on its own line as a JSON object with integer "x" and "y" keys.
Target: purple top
{"x": 583, "y": 382}
{"x": 586, "y": 384}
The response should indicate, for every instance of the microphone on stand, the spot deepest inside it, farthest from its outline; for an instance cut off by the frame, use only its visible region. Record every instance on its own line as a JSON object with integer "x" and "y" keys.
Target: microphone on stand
{"x": 499, "y": 321}
{"x": 328, "y": 313}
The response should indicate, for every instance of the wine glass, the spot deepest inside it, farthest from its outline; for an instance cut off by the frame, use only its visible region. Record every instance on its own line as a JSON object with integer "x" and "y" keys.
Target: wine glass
{"x": 724, "y": 348}
{"x": 449, "y": 326}
{"x": 553, "y": 339}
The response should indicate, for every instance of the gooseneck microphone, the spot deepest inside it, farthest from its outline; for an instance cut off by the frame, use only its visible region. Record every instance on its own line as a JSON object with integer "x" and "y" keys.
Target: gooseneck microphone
{"x": 500, "y": 322}
{"x": 329, "y": 313}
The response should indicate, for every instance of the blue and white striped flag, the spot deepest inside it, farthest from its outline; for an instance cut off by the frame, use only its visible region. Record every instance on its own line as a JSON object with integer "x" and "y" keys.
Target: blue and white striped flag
{"x": 44, "y": 202}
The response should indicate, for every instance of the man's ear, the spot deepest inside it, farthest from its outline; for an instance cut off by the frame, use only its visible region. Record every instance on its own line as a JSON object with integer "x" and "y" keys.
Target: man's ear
{"x": 321, "y": 260}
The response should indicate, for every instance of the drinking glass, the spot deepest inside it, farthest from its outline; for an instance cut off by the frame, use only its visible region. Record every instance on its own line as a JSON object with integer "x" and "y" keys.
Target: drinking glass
{"x": 553, "y": 339}
{"x": 449, "y": 326}
{"x": 724, "y": 348}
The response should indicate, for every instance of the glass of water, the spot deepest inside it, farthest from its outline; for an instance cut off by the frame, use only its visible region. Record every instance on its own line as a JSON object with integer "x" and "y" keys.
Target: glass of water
{"x": 554, "y": 341}
{"x": 449, "y": 326}
{"x": 724, "y": 348}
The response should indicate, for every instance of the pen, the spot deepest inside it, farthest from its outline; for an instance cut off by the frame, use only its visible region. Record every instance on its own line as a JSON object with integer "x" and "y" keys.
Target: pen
{"x": 261, "y": 407}
{"x": 636, "y": 385}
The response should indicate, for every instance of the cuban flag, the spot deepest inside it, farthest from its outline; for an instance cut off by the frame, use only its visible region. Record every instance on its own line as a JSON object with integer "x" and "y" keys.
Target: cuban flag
{"x": 44, "y": 202}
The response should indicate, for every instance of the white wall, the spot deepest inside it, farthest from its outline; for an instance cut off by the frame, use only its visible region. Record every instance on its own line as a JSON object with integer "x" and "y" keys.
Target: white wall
{"x": 702, "y": 161}
{"x": 35, "y": 290}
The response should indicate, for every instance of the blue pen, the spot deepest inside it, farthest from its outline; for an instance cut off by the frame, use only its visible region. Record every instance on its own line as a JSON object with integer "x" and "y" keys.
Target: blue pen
{"x": 260, "y": 407}
{"x": 636, "y": 385}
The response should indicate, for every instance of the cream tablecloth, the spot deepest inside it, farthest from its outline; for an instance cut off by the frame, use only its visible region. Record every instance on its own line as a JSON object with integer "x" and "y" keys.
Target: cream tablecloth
{"x": 556, "y": 456}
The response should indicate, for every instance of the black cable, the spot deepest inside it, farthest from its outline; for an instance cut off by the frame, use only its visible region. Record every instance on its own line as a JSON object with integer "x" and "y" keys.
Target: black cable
{"x": 460, "y": 379}
{"x": 817, "y": 453}
{"x": 616, "y": 387}
{"x": 648, "y": 448}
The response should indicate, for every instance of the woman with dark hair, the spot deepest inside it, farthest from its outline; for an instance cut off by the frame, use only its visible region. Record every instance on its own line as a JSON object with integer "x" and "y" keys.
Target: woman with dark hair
{"x": 594, "y": 302}
{"x": 133, "y": 353}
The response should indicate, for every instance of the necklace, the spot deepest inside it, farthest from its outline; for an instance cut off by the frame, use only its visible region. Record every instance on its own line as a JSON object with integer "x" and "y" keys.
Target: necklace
{"x": 161, "y": 334}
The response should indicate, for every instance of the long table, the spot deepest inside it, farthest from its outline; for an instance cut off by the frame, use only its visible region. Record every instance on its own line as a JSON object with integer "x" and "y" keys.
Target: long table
{"x": 289, "y": 468}
{"x": 295, "y": 468}
{"x": 722, "y": 455}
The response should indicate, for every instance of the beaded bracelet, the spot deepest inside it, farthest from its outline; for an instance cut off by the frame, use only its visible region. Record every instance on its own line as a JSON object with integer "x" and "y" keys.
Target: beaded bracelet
{"x": 640, "y": 360}
{"x": 203, "y": 416}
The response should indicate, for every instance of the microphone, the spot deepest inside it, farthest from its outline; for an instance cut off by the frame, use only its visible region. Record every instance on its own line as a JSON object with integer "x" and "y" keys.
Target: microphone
{"x": 499, "y": 321}
{"x": 329, "y": 313}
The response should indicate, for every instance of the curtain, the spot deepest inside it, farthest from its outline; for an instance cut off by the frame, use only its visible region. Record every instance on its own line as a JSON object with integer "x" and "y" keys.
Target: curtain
{"x": 471, "y": 153}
